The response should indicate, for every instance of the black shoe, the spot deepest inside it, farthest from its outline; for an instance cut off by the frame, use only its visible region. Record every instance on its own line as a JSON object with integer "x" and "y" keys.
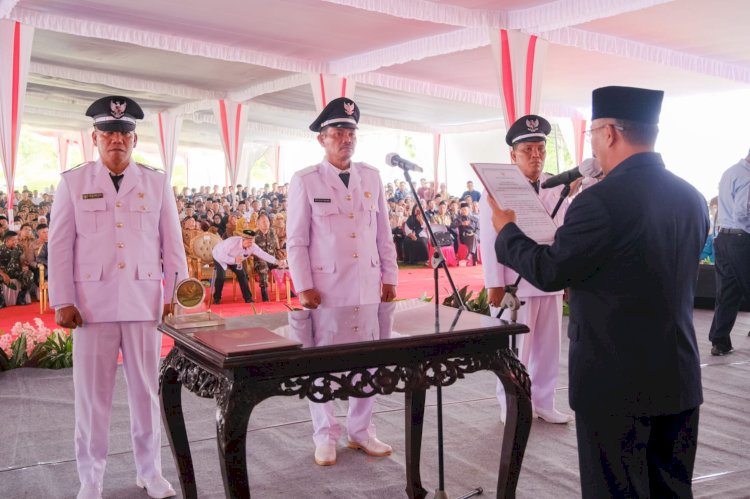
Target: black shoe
{"x": 250, "y": 300}
{"x": 719, "y": 350}
{"x": 216, "y": 302}
{"x": 20, "y": 300}
{"x": 264, "y": 294}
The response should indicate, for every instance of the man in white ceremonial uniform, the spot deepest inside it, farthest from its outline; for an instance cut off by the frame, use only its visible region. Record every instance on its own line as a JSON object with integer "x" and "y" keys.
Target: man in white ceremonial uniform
{"x": 539, "y": 350}
{"x": 340, "y": 252}
{"x": 230, "y": 253}
{"x": 115, "y": 237}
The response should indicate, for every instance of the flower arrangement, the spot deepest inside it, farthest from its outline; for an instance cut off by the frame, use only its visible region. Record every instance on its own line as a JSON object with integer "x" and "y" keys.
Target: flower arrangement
{"x": 28, "y": 345}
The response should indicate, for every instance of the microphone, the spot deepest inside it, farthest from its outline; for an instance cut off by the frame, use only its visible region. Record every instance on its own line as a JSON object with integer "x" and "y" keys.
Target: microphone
{"x": 588, "y": 168}
{"x": 394, "y": 159}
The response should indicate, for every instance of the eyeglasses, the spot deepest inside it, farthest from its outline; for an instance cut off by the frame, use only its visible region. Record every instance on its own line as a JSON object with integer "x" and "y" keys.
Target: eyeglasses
{"x": 588, "y": 132}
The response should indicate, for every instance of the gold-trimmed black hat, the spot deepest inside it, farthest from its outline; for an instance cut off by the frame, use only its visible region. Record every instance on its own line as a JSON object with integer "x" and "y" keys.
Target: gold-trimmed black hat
{"x": 247, "y": 234}
{"x": 627, "y": 103}
{"x": 339, "y": 113}
{"x": 529, "y": 128}
{"x": 115, "y": 113}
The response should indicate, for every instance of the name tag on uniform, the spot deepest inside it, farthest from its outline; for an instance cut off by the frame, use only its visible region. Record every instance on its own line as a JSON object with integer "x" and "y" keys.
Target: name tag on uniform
{"x": 322, "y": 200}
{"x": 94, "y": 195}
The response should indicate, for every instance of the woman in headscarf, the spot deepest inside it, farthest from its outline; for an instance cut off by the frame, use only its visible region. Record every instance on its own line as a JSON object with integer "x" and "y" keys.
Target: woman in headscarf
{"x": 415, "y": 242}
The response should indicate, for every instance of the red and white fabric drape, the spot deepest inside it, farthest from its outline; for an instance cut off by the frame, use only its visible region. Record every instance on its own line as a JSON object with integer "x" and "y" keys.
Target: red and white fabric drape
{"x": 325, "y": 88}
{"x": 87, "y": 145}
{"x": 520, "y": 60}
{"x": 168, "y": 125}
{"x": 232, "y": 120}
{"x": 62, "y": 152}
{"x": 15, "y": 53}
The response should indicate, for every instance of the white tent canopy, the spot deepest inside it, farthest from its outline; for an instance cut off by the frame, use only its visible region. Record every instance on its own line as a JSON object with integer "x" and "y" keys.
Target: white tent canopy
{"x": 418, "y": 65}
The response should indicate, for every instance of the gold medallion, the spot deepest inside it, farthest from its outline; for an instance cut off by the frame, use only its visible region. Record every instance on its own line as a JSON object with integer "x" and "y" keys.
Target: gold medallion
{"x": 368, "y": 194}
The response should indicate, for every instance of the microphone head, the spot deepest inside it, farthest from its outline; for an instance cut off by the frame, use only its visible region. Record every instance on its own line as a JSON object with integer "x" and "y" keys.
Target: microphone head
{"x": 590, "y": 167}
{"x": 390, "y": 157}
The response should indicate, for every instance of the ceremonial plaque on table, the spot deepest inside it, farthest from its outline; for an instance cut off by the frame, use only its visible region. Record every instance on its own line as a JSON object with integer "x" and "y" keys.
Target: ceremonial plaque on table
{"x": 189, "y": 295}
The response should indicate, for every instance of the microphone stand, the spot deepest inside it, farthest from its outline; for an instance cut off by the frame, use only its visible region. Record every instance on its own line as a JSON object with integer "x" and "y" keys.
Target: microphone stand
{"x": 438, "y": 261}
{"x": 510, "y": 301}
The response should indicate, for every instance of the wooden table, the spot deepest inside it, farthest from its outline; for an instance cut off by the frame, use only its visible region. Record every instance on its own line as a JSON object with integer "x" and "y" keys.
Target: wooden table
{"x": 360, "y": 351}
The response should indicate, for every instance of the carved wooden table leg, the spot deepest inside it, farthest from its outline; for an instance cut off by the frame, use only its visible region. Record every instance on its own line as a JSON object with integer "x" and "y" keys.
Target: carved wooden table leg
{"x": 516, "y": 433}
{"x": 232, "y": 416}
{"x": 414, "y": 411}
{"x": 171, "y": 412}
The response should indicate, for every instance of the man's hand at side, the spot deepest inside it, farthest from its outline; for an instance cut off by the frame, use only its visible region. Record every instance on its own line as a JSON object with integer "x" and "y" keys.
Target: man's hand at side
{"x": 68, "y": 317}
{"x": 309, "y": 298}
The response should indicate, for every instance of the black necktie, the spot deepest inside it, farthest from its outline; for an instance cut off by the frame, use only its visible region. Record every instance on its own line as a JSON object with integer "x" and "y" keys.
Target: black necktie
{"x": 116, "y": 180}
{"x": 535, "y": 185}
{"x": 344, "y": 176}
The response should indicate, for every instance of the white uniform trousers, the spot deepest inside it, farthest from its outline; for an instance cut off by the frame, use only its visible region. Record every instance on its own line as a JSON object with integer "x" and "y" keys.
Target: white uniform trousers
{"x": 539, "y": 349}
{"x": 359, "y": 425}
{"x": 95, "y": 351}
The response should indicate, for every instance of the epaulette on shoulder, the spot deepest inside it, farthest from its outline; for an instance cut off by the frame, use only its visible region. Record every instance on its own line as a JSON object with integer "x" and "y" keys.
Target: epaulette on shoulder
{"x": 147, "y": 167}
{"x": 308, "y": 170}
{"x": 85, "y": 163}
{"x": 368, "y": 167}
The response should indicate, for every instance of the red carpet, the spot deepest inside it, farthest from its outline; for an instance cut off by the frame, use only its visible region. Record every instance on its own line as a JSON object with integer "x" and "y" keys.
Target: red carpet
{"x": 413, "y": 283}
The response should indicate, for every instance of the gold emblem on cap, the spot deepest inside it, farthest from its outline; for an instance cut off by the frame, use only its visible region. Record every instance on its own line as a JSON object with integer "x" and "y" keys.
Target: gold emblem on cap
{"x": 532, "y": 125}
{"x": 141, "y": 195}
{"x": 368, "y": 194}
{"x": 349, "y": 108}
{"x": 118, "y": 108}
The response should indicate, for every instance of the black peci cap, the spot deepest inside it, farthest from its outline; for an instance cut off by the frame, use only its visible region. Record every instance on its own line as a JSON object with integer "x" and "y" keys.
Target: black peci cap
{"x": 247, "y": 234}
{"x": 339, "y": 113}
{"x": 115, "y": 113}
{"x": 529, "y": 128}
{"x": 627, "y": 103}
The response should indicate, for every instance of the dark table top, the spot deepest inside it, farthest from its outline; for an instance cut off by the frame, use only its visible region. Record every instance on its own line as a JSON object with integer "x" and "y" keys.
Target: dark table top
{"x": 400, "y": 331}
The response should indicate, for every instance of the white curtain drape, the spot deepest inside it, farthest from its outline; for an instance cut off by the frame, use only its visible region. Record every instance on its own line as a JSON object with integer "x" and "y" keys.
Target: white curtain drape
{"x": 168, "y": 125}
{"x": 436, "y": 140}
{"x": 519, "y": 60}
{"x": 579, "y": 127}
{"x": 87, "y": 145}
{"x": 62, "y": 152}
{"x": 15, "y": 53}
{"x": 277, "y": 162}
{"x": 232, "y": 120}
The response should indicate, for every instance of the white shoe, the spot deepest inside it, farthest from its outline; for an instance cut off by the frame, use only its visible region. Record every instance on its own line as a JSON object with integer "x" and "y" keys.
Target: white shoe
{"x": 90, "y": 491}
{"x": 372, "y": 447}
{"x": 325, "y": 454}
{"x": 552, "y": 416}
{"x": 157, "y": 488}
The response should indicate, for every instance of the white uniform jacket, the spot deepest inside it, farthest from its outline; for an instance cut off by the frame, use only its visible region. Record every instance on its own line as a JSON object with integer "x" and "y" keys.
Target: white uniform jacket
{"x": 110, "y": 251}
{"x": 339, "y": 239}
{"x": 497, "y": 275}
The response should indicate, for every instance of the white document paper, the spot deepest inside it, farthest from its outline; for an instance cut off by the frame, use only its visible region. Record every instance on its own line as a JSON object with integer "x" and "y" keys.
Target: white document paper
{"x": 507, "y": 185}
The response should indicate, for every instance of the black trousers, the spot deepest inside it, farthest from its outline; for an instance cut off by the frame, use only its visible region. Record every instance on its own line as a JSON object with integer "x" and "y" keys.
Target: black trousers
{"x": 241, "y": 279}
{"x": 732, "y": 283}
{"x": 637, "y": 457}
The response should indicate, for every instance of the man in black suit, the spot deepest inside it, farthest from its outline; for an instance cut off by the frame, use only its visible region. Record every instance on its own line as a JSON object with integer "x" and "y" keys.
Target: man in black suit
{"x": 628, "y": 251}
